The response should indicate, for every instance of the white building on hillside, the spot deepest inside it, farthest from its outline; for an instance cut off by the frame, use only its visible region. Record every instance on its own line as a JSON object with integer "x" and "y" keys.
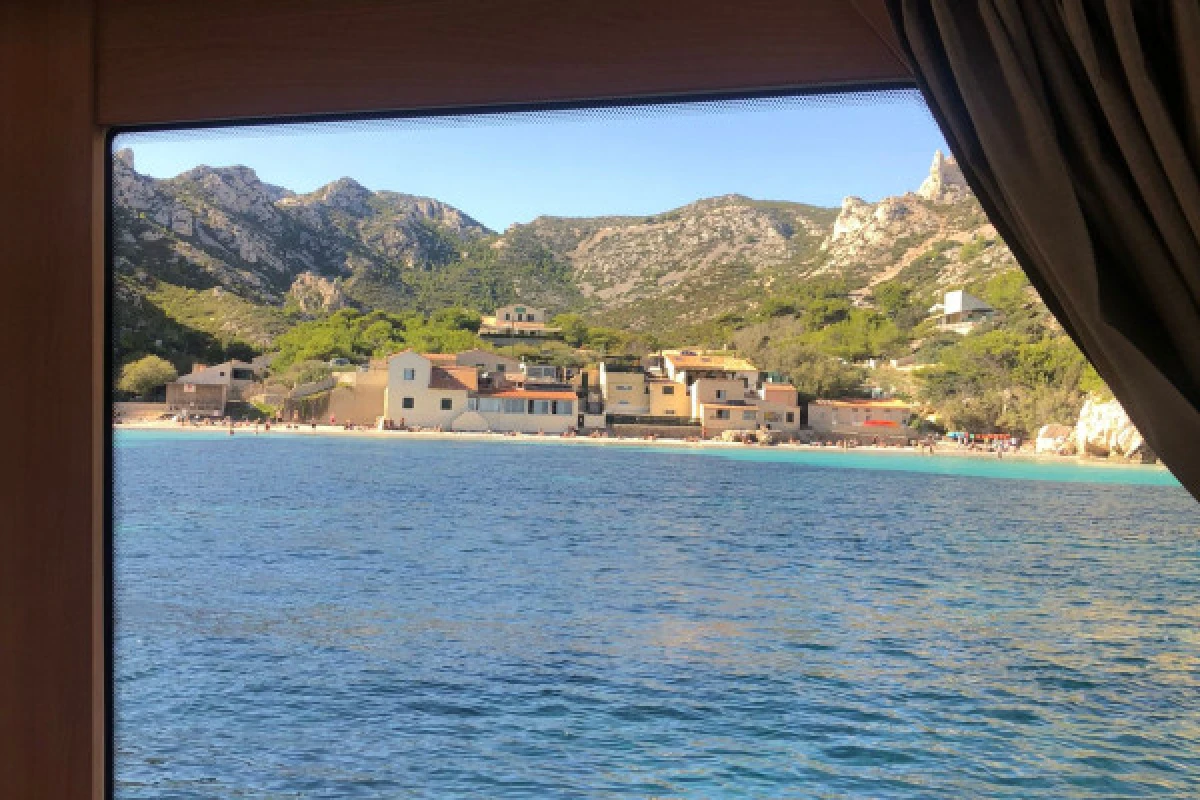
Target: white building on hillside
{"x": 961, "y": 311}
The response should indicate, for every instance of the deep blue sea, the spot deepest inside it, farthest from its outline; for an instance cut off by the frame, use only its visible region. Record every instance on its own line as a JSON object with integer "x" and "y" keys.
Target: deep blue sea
{"x": 345, "y": 617}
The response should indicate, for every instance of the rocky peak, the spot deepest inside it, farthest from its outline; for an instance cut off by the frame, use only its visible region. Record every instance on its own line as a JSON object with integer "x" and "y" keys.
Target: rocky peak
{"x": 234, "y": 189}
{"x": 131, "y": 189}
{"x": 945, "y": 183}
{"x": 345, "y": 194}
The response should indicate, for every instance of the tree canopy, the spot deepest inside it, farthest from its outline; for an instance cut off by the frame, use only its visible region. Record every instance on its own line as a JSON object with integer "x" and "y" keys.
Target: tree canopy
{"x": 146, "y": 374}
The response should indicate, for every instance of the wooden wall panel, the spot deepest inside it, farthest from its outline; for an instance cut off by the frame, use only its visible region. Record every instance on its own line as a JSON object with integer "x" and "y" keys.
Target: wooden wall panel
{"x": 50, "y": 581}
{"x": 220, "y": 59}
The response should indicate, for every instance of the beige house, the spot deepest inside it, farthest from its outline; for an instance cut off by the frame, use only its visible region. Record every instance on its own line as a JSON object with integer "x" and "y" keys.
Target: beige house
{"x": 860, "y": 417}
{"x": 517, "y": 323}
{"x": 779, "y": 407}
{"x": 720, "y": 392}
{"x": 423, "y": 394}
{"x": 668, "y": 398}
{"x": 686, "y": 366}
{"x": 625, "y": 389}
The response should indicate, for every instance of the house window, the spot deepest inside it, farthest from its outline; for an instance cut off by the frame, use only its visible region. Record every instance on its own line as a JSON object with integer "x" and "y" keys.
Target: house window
{"x": 668, "y": 390}
{"x": 721, "y": 394}
{"x": 410, "y": 374}
{"x": 407, "y": 403}
{"x": 670, "y": 412}
{"x": 624, "y": 388}
{"x": 539, "y": 406}
{"x": 515, "y": 406}
{"x": 564, "y": 407}
{"x": 508, "y": 316}
{"x": 447, "y": 404}
{"x": 791, "y": 416}
{"x": 748, "y": 414}
{"x": 500, "y": 368}
{"x": 721, "y": 413}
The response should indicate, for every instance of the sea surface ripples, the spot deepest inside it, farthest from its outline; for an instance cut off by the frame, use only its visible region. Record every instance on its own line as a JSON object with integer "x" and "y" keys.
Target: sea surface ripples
{"x": 328, "y": 617}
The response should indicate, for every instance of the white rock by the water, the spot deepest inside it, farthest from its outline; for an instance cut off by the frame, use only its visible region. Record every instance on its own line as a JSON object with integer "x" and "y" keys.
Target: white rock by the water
{"x": 1104, "y": 430}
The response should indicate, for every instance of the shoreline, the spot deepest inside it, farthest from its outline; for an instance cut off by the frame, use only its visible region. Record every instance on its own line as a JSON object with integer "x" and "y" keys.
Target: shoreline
{"x": 465, "y": 436}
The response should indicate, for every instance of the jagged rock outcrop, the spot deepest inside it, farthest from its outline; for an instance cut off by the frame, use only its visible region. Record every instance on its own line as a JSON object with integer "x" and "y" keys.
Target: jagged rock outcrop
{"x": 945, "y": 183}
{"x": 312, "y": 293}
{"x": 1104, "y": 430}
{"x": 937, "y": 235}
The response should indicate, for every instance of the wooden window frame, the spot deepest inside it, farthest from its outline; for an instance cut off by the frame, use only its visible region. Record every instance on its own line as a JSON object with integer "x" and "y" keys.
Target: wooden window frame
{"x": 88, "y": 68}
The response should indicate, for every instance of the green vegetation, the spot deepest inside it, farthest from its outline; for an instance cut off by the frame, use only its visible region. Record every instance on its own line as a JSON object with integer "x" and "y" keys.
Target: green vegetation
{"x": 356, "y": 336}
{"x": 146, "y": 374}
{"x": 1005, "y": 380}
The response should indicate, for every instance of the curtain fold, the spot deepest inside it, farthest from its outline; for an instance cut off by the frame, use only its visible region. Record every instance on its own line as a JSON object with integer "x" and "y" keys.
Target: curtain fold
{"x": 1077, "y": 125}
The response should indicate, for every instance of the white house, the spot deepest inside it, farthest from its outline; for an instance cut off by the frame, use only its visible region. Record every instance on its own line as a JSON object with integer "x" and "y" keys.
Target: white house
{"x": 961, "y": 311}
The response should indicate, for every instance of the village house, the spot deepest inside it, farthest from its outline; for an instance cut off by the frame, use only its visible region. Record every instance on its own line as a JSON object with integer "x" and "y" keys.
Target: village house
{"x": 887, "y": 419}
{"x": 517, "y": 324}
{"x": 960, "y": 312}
{"x": 668, "y": 398}
{"x": 206, "y": 391}
{"x": 779, "y": 407}
{"x": 717, "y": 391}
{"x": 686, "y": 366}
{"x": 625, "y": 388}
{"x": 421, "y": 393}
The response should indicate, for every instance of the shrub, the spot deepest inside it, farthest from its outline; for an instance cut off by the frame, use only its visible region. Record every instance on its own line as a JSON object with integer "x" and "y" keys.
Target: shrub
{"x": 145, "y": 375}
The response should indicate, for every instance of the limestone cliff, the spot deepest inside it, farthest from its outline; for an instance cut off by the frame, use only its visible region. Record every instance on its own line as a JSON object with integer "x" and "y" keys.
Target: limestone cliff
{"x": 312, "y": 293}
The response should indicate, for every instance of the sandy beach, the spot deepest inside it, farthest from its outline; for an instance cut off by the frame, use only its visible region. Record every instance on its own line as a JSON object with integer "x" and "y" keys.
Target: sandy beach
{"x": 943, "y": 448}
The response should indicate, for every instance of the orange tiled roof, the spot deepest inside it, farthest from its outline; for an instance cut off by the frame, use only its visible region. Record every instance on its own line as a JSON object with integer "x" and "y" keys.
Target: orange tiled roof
{"x": 442, "y": 359}
{"x": 460, "y": 378}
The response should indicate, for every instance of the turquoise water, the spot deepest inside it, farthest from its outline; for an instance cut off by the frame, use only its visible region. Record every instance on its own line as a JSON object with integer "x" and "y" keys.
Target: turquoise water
{"x": 352, "y": 617}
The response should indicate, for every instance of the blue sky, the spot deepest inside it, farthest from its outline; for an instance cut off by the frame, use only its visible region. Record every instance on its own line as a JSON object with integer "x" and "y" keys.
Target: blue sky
{"x": 514, "y": 168}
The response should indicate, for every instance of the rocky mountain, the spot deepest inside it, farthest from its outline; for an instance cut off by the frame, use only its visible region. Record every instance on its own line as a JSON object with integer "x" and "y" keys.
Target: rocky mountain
{"x": 224, "y": 227}
{"x": 262, "y": 246}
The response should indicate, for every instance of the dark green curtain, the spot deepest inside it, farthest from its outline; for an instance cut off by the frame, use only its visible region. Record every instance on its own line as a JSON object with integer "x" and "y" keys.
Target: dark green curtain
{"x": 1077, "y": 124}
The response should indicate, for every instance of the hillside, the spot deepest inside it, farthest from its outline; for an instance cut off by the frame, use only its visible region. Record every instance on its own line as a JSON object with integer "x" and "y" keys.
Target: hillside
{"x": 277, "y": 256}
